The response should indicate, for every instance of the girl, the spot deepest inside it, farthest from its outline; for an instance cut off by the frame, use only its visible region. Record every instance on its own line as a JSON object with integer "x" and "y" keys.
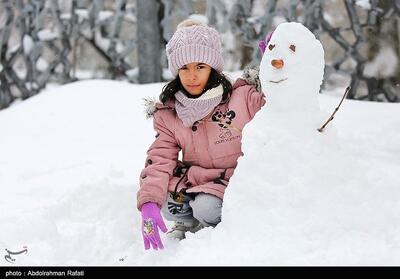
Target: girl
{"x": 201, "y": 114}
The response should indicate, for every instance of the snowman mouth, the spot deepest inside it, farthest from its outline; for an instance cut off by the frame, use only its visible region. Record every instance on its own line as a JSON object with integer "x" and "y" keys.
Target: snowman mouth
{"x": 278, "y": 81}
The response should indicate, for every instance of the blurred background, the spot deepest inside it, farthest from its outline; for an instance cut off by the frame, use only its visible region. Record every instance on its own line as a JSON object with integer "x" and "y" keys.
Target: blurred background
{"x": 44, "y": 42}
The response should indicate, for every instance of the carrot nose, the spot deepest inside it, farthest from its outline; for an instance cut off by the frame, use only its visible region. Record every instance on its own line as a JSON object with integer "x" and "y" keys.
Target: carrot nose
{"x": 277, "y": 63}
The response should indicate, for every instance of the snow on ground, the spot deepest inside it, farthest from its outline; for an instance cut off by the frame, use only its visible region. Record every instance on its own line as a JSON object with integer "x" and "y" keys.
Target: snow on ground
{"x": 70, "y": 158}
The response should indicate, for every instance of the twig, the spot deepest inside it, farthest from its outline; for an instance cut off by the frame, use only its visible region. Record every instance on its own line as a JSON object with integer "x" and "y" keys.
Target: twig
{"x": 336, "y": 109}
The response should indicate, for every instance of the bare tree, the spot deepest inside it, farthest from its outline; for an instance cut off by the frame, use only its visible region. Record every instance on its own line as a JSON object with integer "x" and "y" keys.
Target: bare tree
{"x": 48, "y": 33}
{"x": 149, "y": 41}
{"x": 381, "y": 25}
{"x": 379, "y": 88}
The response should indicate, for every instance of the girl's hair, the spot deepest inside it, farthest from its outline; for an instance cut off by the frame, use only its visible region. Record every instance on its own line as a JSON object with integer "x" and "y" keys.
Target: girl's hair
{"x": 215, "y": 79}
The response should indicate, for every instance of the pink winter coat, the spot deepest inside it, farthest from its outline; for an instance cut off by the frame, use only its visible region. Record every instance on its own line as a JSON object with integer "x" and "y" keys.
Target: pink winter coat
{"x": 211, "y": 147}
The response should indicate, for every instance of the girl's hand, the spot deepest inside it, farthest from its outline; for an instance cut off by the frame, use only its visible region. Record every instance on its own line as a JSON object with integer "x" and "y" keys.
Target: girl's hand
{"x": 151, "y": 222}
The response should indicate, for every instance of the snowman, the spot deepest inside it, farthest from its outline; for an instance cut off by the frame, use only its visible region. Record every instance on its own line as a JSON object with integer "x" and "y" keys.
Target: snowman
{"x": 291, "y": 73}
{"x": 286, "y": 161}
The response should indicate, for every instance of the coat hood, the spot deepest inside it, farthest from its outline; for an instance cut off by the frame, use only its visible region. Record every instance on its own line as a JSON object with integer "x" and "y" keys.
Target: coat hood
{"x": 151, "y": 105}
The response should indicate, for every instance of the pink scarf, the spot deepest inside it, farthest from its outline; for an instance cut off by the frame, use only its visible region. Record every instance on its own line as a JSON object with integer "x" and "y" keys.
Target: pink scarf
{"x": 190, "y": 110}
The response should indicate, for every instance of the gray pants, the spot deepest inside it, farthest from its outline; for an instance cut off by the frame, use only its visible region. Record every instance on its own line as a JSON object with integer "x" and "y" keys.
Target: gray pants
{"x": 206, "y": 208}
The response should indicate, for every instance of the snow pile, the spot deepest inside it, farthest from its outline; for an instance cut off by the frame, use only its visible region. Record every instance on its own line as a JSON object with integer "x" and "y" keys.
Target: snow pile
{"x": 69, "y": 165}
{"x": 71, "y": 157}
{"x": 384, "y": 65}
{"x": 365, "y": 4}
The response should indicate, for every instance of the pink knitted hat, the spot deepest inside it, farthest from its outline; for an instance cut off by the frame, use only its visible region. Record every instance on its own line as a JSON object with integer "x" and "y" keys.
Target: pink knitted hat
{"x": 194, "y": 42}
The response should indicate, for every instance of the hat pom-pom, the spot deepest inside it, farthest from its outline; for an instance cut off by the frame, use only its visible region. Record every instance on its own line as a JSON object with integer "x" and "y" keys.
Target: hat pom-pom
{"x": 189, "y": 22}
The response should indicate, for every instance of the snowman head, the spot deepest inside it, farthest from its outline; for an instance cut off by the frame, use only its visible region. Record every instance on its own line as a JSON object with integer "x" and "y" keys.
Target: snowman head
{"x": 292, "y": 68}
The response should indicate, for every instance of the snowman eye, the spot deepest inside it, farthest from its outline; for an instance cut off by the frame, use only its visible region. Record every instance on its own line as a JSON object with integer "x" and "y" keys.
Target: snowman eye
{"x": 271, "y": 47}
{"x": 293, "y": 48}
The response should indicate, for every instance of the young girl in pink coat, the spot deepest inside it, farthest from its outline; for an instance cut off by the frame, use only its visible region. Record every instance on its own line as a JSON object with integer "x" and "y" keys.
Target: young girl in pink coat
{"x": 202, "y": 115}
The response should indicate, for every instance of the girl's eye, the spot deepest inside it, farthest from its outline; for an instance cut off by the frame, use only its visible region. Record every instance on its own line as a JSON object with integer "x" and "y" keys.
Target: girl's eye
{"x": 293, "y": 48}
{"x": 271, "y": 47}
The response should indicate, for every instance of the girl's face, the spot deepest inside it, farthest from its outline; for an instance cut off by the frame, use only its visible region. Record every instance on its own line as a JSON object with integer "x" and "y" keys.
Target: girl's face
{"x": 194, "y": 77}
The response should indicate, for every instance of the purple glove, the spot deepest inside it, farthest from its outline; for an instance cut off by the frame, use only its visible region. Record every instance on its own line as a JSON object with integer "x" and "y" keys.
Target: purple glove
{"x": 151, "y": 221}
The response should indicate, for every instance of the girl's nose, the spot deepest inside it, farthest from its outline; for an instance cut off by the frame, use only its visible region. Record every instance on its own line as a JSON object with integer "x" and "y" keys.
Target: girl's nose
{"x": 192, "y": 76}
{"x": 277, "y": 63}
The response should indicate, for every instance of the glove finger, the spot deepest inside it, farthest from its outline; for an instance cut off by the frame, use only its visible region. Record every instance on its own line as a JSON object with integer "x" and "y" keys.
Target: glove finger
{"x": 162, "y": 225}
{"x": 158, "y": 240}
{"x": 146, "y": 243}
{"x": 153, "y": 242}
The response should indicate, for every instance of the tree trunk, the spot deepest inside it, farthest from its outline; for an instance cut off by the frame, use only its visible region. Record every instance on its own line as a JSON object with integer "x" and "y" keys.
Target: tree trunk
{"x": 149, "y": 38}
